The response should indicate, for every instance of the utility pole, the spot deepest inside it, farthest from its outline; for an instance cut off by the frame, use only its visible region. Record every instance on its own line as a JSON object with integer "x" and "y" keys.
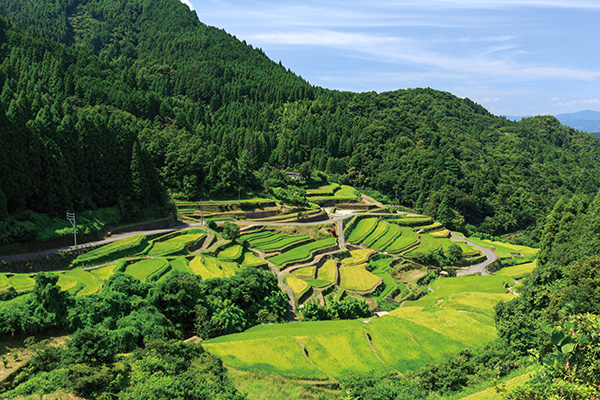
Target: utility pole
{"x": 71, "y": 219}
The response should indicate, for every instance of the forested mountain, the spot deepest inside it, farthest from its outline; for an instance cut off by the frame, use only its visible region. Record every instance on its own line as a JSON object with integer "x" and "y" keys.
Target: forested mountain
{"x": 102, "y": 99}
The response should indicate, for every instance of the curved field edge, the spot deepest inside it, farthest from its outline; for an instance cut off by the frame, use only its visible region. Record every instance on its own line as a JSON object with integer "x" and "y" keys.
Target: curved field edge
{"x": 339, "y": 348}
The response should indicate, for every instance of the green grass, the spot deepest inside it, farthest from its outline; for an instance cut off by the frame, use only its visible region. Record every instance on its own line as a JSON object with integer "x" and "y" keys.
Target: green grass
{"x": 148, "y": 270}
{"x": 231, "y": 253}
{"x": 302, "y": 252}
{"x": 119, "y": 245}
{"x": 173, "y": 245}
{"x": 392, "y": 233}
{"x": 252, "y": 260}
{"x": 327, "y": 271}
{"x": 306, "y": 272}
{"x": 209, "y": 267}
{"x": 362, "y": 229}
{"x": 105, "y": 272}
{"x": 262, "y": 385}
{"x": 357, "y": 256}
{"x": 378, "y": 232}
{"x": 356, "y": 277}
{"x": 428, "y": 244}
{"x": 21, "y": 282}
{"x": 298, "y": 286}
{"x": 407, "y": 238}
{"x": 517, "y": 271}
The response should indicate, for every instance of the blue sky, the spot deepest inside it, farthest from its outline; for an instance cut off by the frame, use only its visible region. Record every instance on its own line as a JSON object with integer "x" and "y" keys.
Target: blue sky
{"x": 513, "y": 57}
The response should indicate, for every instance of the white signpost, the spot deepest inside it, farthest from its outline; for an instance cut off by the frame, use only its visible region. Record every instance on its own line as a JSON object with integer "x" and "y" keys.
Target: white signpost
{"x": 71, "y": 218}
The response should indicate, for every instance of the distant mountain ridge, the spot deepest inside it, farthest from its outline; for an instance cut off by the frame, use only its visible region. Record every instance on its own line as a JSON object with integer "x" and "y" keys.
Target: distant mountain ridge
{"x": 587, "y": 120}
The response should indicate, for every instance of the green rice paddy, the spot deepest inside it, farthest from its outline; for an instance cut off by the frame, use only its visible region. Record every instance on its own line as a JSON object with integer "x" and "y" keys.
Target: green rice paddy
{"x": 303, "y": 252}
{"x": 210, "y": 267}
{"x": 517, "y": 271}
{"x": 357, "y": 278}
{"x": 385, "y": 240}
{"x": 380, "y": 230}
{"x": 362, "y": 229}
{"x": 105, "y": 272}
{"x": 231, "y": 253}
{"x": 4, "y": 282}
{"x": 173, "y": 245}
{"x": 104, "y": 251}
{"x": 148, "y": 270}
{"x": 407, "y": 237}
{"x": 89, "y": 282}
{"x": 307, "y": 272}
{"x": 298, "y": 286}
{"x": 21, "y": 282}
{"x": 252, "y": 260}
{"x": 327, "y": 272}
{"x": 357, "y": 256}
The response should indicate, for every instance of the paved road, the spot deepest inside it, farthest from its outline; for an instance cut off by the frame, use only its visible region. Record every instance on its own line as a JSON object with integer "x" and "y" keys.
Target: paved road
{"x": 477, "y": 268}
{"x": 110, "y": 239}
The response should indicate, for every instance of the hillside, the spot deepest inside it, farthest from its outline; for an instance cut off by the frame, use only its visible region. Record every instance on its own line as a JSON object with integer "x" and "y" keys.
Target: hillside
{"x": 209, "y": 111}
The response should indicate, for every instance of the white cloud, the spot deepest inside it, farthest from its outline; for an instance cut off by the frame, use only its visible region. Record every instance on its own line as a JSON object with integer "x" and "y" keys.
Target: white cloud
{"x": 187, "y": 3}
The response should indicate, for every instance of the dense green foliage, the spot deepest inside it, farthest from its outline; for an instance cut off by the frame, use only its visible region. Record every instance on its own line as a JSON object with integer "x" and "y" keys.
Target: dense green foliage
{"x": 166, "y": 93}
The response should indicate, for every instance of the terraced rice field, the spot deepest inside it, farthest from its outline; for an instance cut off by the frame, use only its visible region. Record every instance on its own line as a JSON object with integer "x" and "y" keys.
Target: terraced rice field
{"x": 358, "y": 256}
{"x": 324, "y": 190}
{"x": 174, "y": 245}
{"x": 327, "y": 272}
{"x": 384, "y": 241}
{"x": 148, "y": 270}
{"x": 255, "y": 235}
{"x": 4, "y": 282}
{"x": 407, "y": 237}
{"x": 466, "y": 293}
{"x": 303, "y": 252}
{"x": 66, "y": 282}
{"x": 105, "y": 272}
{"x": 428, "y": 244}
{"x": 357, "y": 278}
{"x": 282, "y": 242}
{"x": 307, "y": 272}
{"x": 21, "y": 282}
{"x": 231, "y": 253}
{"x": 339, "y": 348}
{"x": 298, "y": 286}
{"x": 380, "y": 230}
{"x": 180, "y": 264}
{"x": 412, "y": 221}
{"x": 106, "y": 250}
{"x": 88, "y": 283}
{"x": 517, "y": 271}
{"x": 210, "y": 267}
{"x": 362, "y": 229}
{"x": 252, "y": 260}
